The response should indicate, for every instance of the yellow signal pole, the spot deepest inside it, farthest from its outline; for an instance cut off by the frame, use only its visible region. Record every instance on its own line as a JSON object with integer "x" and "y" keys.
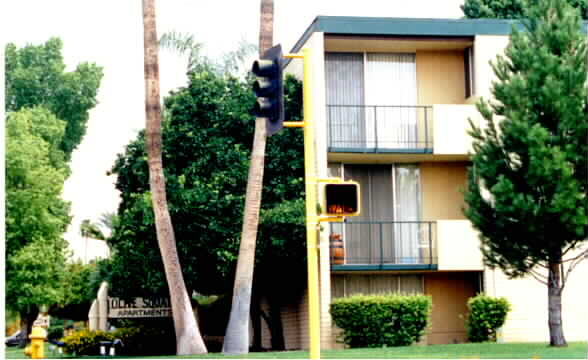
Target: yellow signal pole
{"x": 312, "y": 219}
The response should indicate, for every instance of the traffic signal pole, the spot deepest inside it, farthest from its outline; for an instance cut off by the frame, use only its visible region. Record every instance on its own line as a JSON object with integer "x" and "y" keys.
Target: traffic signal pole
{"x": 312, "y": 218}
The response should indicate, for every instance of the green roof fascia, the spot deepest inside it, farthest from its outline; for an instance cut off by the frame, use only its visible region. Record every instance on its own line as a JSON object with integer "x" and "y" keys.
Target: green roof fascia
{"x": 377, "y": 26}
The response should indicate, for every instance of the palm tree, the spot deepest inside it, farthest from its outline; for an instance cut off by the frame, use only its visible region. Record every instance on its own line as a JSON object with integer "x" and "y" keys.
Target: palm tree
{"x": 108, "y": 221}
{"x": 186, "y": 44}
{"x": 91, "y": 230}
{"x": 237, "y": 333}
{"x": 188, "y": 338}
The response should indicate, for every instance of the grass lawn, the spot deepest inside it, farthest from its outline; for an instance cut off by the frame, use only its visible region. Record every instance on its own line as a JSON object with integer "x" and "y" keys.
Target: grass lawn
{"x": 575, "y": 350}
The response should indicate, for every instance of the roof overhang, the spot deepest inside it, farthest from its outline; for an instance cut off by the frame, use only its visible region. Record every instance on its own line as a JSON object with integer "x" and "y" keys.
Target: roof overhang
{"x": 433, "y": 29}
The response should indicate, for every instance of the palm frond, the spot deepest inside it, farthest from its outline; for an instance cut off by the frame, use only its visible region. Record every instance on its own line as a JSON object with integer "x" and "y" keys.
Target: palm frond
{"x": 183, "y": 43}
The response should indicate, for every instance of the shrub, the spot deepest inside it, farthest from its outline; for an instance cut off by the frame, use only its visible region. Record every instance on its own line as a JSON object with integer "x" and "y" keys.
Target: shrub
{"x": 381, "y": 320}
{"x": 85, "y": 342}
{"x": 486, "y": 315}
{"x": 144, "y": 340}
{"x": 55, "y": 332}
{"x": 137, "y": 340}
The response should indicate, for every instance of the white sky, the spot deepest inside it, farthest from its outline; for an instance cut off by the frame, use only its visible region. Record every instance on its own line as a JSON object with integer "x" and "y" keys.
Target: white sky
{"x": 109, "y": 33}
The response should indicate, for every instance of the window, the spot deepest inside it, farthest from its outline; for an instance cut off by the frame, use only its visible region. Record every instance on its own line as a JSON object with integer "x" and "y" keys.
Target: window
{"x": 468, "y": 59}
{"x": 351, "y": 284}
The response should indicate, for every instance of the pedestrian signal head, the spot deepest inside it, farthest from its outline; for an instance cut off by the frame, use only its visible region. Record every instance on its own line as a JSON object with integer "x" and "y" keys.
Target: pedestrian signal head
{"x": 342, "y": 199}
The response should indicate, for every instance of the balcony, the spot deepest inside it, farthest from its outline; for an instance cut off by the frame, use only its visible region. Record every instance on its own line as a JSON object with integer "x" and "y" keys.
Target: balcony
{"x": 450, "y": 245}
{"x": 435, "y": 129}
{"x": 379, "y": 129}
{"x": 387, "y": 245}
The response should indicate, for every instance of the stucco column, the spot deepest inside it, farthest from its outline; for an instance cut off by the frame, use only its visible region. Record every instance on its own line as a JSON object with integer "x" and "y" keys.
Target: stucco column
{"x": 102, "y": 306}
{"x": 93, "y": 316}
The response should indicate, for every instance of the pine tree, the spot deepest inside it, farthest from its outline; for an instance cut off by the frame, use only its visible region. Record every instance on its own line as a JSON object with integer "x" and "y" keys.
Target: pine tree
{"x": 507, "y": 9}
{"x": 529, "y": 180}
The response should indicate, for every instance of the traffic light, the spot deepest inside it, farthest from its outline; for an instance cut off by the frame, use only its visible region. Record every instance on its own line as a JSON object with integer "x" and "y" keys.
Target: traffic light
{"x": 342, "y": 199}
{"x": 269, "y": 89}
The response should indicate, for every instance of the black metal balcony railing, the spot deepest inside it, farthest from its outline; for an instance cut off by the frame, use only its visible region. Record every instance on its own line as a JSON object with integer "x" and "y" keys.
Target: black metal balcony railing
{"x": 387, "y": 242}
{"x": 380, "y": 128}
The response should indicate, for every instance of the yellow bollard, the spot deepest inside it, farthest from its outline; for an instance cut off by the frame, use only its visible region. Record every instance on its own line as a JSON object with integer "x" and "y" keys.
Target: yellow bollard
{"x": 38, "y": 336}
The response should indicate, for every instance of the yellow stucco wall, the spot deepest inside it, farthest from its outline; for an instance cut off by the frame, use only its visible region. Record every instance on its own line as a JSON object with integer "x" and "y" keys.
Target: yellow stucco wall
{"x": 293, "y": 315}
{"x": 457, "y": 234}
{"x": 450, "y": 293}
{"x": 441, "y": 190}
{"x": 440, "y": 77}
{"x": 527, "y": 321}
{"x": 486, "y": 47}
{"x": 451, "y": 126}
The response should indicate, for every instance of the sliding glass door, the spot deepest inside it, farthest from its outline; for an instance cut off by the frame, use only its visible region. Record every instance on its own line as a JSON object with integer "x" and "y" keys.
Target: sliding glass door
{"x": 407, "y": 213}
{"x": 388, "y": 229}
{"x": 345, "y": 100}
{"x": 371, "y": 100}
{"x": 391, "y": 96}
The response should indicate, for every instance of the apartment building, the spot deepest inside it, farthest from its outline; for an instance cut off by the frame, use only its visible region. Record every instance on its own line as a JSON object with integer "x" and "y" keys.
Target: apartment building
{"x": 392, "y": 98}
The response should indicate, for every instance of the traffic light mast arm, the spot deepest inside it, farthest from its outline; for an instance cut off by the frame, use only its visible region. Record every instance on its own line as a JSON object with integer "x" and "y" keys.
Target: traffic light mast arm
{"x": 291, "y": 124}
{"x": 294, "y": 56}
{"x": 334, "y": 180}
{"x": 331, "y": 219}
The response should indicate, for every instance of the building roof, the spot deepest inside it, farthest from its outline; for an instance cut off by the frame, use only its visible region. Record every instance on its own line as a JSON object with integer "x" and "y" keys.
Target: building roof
{"x": 378, "y": 26}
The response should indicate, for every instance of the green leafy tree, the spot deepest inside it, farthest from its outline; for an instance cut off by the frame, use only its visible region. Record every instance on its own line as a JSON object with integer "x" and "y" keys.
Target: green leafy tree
{"x": 47, "y": 109}
{"x": 280, "y": 245}
{"x": 507, "y": 9}
{"x": 80, "y": 286}
{"x": 532, "y": 162}
{"x": 206, "y": 140}
{"x": 35, "y": 75}
{"x": 36, "y": 273}
{"x": 35, "y": 173}
{"x": 36, "y": 216}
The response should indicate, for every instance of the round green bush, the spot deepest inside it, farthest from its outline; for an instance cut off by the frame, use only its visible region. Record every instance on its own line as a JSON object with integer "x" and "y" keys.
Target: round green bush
{"x": 486, "y": 315}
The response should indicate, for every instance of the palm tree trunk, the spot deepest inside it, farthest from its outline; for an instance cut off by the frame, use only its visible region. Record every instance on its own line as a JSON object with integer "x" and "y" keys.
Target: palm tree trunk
{"x": 188, "y": 338}
{"x": 237, "y": 334}
{"x": 266, "y": 25}
{"x": 554, "y": 291}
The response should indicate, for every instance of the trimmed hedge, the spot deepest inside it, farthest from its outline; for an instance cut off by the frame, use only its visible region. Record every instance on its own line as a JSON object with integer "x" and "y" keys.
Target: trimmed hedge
{"x": 486, "y": 315}
{"x": 85, "y": 342}
{"x": 381, "y": 320}
{"x": 55, "y": 332}
{"x": 140, "y": 340}
{"x": 146, "y": 340}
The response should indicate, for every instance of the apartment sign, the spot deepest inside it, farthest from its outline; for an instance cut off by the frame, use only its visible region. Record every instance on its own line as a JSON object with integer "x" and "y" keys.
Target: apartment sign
{"x": 139, "y": 307}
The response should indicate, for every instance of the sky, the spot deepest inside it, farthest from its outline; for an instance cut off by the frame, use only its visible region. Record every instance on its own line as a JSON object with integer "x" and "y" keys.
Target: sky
{"x": 110, "y": 34}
